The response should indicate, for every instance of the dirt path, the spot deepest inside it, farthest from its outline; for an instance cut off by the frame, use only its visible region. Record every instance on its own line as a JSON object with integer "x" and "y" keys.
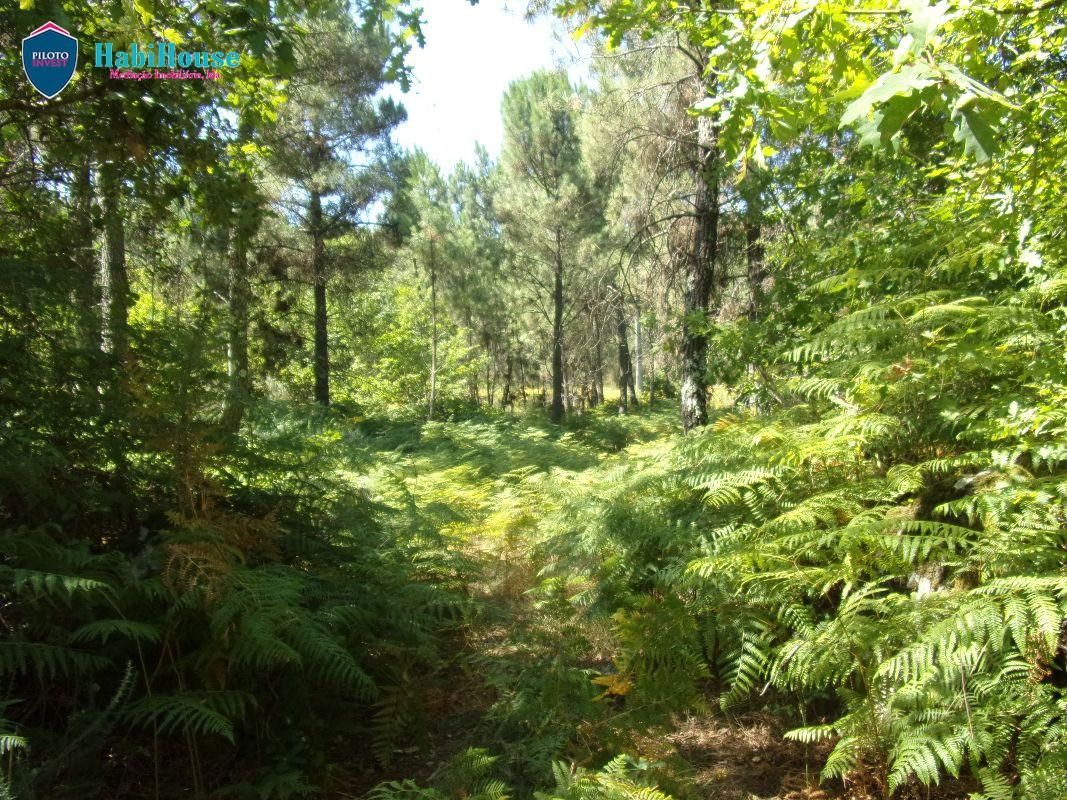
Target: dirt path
{"x": 513, "y": 670}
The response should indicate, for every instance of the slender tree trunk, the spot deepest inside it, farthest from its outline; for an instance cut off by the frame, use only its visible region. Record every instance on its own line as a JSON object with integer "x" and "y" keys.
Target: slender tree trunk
{"x": 115, "y": 301}
{"x": 594, "y": 392}
{"x": 239, "y": 373}
{"x": 240, "y": 378}
{"x": 505, "y": 397}
{"x": 318, "y": 271}
{"x": 114, "y": 281}
{"x": 634, "y": 400}
{"x": 700, "y": 277}
{"x": 652, "y": 379}
{"x": 568, "y": 404}
{"x": 433, "y": 330}
{"x": 490, "y": 390}
{"x": 625, "y": 365}
{"x": 556, "y": 413}
{"x": 472, "y": 380}
{"x": 639, "y": 364}
{"x": 598, "y": 362}
{"x": 87, "y": 294}
{"x": 756, "y": 272}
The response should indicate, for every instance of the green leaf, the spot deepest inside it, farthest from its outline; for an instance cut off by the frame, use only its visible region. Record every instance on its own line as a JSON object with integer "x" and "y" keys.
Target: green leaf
{"x": 905, "y": 81}
{"x": 103, "y": 629}
{"x": 974, "y": 129}
{"x": 880, "y": 128}
{"x": 925, "y": 20}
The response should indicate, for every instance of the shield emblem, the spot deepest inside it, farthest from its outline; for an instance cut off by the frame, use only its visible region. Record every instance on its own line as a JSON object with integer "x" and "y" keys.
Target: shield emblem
{"x": 49, "y": 56}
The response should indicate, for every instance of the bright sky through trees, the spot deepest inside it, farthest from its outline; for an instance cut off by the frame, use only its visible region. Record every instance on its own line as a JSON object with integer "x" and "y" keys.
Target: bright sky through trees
{"x": 472, "y": 53}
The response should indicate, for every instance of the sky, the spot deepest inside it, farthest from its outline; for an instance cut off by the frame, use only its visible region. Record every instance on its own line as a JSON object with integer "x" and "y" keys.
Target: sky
{"x": 472, "y": 53}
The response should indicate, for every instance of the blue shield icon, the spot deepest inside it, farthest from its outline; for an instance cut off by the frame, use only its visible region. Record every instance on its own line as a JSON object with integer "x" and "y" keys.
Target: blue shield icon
{"x": 49, "y": 56}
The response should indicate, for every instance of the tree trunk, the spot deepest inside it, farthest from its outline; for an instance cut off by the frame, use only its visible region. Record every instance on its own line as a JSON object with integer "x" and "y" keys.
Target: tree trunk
{"x": 239, "y": 373}
{"x": 490, "y": 389}
{"x": 114, "y": 281}
{"x": 652, "y": 379}
{"x": 699, "y": 277}
{"x": 568, "y": 401}
{"x": 594, "y": 392}
{"x": 472, "y": 380}
{"x": 625, "y": 365}
{"x": 638, "y": 355}
{"x": 433, "y": 331}
{"x": 556, "y": 413}
{"x": 543, "y": 370}
{"x": 115, "y": 300}
{"x": 598, "y": 365}
{"x": 754, "y": 257}
{"x": 87, "y": 295}
{"x": 318, "y": 271}
{"x": 505, "y": 397}
{"x": 239, "y": 377}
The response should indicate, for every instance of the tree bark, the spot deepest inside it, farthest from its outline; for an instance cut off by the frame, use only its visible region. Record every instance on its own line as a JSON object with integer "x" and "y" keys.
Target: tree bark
{"x": 638, "y": 356}
{"x": 625, "y": 364}
{"x": 700, "y": 277}
{"x": 115, "y": 301}
{"x": 433, "y": 331}
{"x": 318, "y": 271}
{"x": 556, "y": 413}
{"x": 245, "y": 224}
{"x": 239, "y": 377}
{"x": 756, "y": 271}
{"x": 114, "y": 280}
{"x": 505, "y": 397}
{"x": 472, "y": 379}
{"x": 490, "y": 385}
{"x": 87, "y": 294}
{"x": 652, "y": 380}
{"x": 598, "y": 367}
{"x": 568, "y": 400}
{"x": 238, "y": 371}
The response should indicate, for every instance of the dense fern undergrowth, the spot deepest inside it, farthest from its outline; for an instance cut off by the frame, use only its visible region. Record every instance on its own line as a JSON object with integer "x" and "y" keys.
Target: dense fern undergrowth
{"x": 870, "y": 550}
{"x": 491, "y": 607}
{"x": 866, "y": 545}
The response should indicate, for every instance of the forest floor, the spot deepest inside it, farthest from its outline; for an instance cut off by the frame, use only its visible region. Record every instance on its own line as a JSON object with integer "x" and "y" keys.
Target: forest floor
{"x": 488, "y": 486}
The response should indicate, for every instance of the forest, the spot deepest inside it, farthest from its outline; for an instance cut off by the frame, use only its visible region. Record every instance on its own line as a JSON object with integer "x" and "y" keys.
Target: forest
{"x": 706, "y": 442}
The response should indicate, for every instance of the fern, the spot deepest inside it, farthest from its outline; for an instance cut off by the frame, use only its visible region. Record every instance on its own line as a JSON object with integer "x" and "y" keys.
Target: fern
{"x": 198, "y": 713}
